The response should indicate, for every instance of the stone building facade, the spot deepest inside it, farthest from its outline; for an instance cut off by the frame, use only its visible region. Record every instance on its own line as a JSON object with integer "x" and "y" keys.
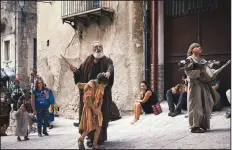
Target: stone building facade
{"x": 122, "y": 41}
{"x": 18, "y": 37}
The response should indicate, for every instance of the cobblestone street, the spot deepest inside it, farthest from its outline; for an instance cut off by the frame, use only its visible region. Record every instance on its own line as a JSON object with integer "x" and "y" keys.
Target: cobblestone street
{"x": 153, "y": 132}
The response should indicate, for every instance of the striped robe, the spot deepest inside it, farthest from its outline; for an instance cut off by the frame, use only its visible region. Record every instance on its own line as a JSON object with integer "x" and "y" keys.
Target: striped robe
{"x": 89, "y": 120}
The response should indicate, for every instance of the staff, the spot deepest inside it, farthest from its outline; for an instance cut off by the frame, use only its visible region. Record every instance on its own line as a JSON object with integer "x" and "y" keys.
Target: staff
{"x": 65, "y": 60}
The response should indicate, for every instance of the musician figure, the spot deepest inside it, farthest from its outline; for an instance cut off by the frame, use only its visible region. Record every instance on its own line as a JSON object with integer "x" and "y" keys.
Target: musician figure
{"x": 201, "y": 96}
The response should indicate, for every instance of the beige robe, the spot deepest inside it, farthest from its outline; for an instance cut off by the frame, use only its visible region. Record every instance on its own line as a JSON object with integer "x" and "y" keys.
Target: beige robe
{"x": 201, "y": 97}
{"x": 22, "y": 121}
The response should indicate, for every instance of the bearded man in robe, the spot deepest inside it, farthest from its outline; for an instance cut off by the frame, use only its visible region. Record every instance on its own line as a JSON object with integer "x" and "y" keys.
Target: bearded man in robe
{"x": 94, "y": 64}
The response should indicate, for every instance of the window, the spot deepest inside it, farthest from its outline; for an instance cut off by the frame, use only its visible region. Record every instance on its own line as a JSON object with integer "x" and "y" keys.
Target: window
{"x": 7, "y": 50}
{"x": 93, "y": 5}
{"x": 96, "y": 4}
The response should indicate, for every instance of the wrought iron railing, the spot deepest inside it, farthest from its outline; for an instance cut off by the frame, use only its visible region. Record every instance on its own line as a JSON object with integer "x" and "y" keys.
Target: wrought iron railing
{"x": 176, "y": 8}
{"x": 73, "y": 8}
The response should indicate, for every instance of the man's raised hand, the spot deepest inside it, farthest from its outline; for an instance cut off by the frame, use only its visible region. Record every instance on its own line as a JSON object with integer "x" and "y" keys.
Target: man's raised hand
{"x": 72, "y": 68}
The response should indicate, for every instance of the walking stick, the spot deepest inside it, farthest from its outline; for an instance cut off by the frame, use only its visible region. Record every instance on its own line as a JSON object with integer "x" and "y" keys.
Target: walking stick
{"x": 65, "y": 60}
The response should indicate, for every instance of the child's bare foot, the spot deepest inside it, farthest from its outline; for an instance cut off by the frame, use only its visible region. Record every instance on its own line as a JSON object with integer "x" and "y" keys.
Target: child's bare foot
{"x": 81, "y": 144}
{"x": 134, "y": 121}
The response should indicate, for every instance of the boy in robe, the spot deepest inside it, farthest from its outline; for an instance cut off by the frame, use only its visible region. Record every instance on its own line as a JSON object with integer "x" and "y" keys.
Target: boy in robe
{"x": 92, "y": 115}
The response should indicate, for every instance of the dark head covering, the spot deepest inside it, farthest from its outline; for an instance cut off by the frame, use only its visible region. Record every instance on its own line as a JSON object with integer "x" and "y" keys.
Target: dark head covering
{"x": 101, "y": 79}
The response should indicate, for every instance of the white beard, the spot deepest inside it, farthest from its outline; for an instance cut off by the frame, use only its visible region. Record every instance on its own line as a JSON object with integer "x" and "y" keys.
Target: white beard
{"x": 98, "y": 55}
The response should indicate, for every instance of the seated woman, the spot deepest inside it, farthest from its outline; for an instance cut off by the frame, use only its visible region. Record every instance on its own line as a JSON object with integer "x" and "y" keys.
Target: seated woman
{"x": 147, "y": 99}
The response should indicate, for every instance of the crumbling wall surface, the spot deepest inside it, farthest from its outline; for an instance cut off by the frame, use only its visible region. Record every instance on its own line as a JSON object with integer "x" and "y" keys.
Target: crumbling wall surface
{"x": 122, "y": 41}
{"x": 8, "y": 15}
{"x": 20, "y": 30}
{"x": 27, "y": 26}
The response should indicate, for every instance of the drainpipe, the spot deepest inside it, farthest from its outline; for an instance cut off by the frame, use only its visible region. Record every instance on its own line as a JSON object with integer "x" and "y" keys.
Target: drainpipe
{"x": 160, "y": 68}
{"x": 15, "y": 34}
{"x": 145, "y": 38}
{"x": 153, "y": 52}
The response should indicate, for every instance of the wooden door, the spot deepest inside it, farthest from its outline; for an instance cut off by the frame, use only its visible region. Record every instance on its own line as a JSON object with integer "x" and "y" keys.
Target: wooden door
{"x": 210, "y": 27}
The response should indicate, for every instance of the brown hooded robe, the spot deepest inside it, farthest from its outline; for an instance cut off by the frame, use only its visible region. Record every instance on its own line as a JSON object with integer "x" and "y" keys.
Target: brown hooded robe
{"x": 89, "y": 70}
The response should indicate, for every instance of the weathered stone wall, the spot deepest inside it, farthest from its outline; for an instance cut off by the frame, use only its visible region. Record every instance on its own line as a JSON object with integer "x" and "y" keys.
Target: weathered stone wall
{"x": 27, "y": 27}
{"x": 8, "y": 15}
{"x": 122, "y": 41}
{"x": 20, "y": 31}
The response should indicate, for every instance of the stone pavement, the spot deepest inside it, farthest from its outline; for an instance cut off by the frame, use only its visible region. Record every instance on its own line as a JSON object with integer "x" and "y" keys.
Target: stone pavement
{"x": 151, "y": 132}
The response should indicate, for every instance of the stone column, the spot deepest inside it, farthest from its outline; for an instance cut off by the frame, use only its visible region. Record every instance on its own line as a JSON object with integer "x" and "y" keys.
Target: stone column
{"x": 160, "y": 66}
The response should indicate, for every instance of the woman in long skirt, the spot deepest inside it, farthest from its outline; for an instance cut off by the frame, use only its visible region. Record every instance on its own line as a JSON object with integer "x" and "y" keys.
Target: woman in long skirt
{"x": 201, "y": 96}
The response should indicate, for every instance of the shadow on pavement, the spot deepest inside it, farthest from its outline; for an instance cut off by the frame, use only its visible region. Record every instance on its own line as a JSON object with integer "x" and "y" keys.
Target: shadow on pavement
{"x": 218, "y": 130}
{"x": 114, "y": 144}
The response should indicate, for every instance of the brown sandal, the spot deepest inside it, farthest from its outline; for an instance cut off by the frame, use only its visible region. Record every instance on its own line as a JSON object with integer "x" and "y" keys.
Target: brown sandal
{"x": 81, "y": 144}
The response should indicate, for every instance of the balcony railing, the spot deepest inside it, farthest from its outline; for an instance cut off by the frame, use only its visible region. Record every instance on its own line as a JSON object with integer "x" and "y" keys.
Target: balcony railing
{"x": 177, "y": 8}
{"x": 78, "y": 8}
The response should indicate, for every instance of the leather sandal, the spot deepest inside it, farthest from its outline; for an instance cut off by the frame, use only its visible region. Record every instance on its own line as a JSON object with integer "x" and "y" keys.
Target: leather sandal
{"x": 204, "y": 128}
{"x": 197, "y": 130}
{"x": 81, "y": 144}
{"x": 19, "y": 139}
{"x": 26, "y": 138}
{"x": 89, "y": 143}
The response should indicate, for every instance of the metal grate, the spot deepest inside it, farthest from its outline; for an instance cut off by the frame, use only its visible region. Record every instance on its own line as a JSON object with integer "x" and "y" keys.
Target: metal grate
{"x": 71, "y": 8}
{"x": 177, "y": 8}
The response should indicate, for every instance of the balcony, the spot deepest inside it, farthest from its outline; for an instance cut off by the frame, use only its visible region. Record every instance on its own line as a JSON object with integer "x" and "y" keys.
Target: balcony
{"x": 85, "y": 11}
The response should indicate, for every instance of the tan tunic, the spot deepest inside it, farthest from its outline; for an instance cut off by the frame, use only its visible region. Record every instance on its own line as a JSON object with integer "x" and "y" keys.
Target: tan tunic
{"x": 22, "y": 123}
{"x": 201, "y": 97}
